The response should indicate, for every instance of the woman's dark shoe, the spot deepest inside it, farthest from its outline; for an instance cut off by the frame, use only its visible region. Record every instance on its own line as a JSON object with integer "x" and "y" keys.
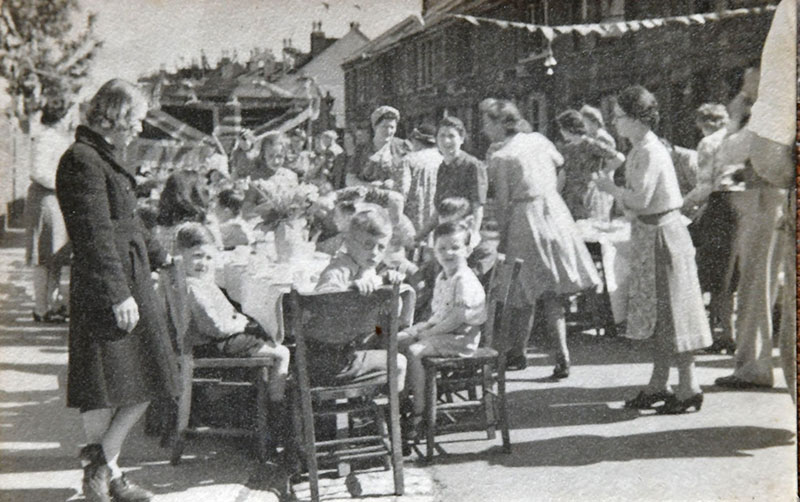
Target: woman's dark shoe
{"x": 96, "y": 474}
{"x": 50, "y": 317}
{"x": 719, "y": 346}
{"x": 561, "y": 370}
{"x": 644, "y": 401}
{"x": 516, "y": 362}
{"x": 125, "y": 490}
{"x": 675, "y": 406}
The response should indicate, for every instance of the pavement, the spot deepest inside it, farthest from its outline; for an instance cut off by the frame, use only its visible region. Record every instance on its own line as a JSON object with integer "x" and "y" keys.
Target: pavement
{"x": 572, "y": 439}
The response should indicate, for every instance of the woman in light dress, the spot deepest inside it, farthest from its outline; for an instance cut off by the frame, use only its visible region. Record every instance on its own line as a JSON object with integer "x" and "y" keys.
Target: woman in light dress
{"x": 535, "y": 225}
{"x": 659, "y": 236}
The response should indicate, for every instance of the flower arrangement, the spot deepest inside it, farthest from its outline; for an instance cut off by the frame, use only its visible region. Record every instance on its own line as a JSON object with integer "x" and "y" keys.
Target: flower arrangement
{"x": 284, "y": 198}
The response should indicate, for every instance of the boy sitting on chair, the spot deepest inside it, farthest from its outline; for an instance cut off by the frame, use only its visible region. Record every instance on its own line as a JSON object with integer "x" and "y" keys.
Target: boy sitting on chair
{"x": 354, "y": 266}
{"x": 459, "y": 310}
{"x": 219, "y": 329}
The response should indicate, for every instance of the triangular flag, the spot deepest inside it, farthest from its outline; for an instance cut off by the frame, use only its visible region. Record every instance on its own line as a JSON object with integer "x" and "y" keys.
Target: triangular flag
{"x": 622, "y": 27}
{"x": 470, "y": 19}
{"x": 634, "y": 25}
{"x": 648, "y": 23}
{"x": 502, "y": 24}
{"x": 548, "y": 32}
{"x": 698, "y": 18}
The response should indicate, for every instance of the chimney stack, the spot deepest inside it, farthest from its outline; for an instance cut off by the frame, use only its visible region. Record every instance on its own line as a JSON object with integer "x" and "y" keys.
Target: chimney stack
{"x": 318, "y": 41}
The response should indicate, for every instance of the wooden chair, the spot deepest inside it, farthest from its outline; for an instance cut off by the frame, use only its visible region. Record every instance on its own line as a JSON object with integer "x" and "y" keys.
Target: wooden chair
{"x": 592, "y": 308}
{"x": 222, "y": 371}
{"x": 341, "y": 318}
{"x": 452, "y": 383}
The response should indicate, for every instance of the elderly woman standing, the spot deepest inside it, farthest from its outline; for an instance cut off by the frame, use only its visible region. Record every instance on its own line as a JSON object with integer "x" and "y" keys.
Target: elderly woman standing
{"x": 381, "y": 160}
{"x": 535, "y": 225}
{"x": 652, "y": 195}
{"x": 120, "y": 355}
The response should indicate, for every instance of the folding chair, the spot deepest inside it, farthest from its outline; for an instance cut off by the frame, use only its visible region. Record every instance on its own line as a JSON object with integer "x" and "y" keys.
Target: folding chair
{"x": 222, "y": 371}
{"x": 342, "y": 318}
{"x": 452, "y": 383}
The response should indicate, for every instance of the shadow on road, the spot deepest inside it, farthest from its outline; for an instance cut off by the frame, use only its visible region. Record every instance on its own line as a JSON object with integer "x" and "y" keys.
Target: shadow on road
{"x": 573, "y": 451}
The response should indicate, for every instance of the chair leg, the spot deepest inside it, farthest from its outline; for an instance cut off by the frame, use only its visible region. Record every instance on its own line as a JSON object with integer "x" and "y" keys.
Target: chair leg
{"x": 342, "y": 432}
{"x": 309, "y": 446}
{"x": 488, "y": 402}
{"x": 501, "y": 401}
{"x": 184, "y": 410}
{"x": 383, "y": 430}
{"x": 397, "y": 445}
{"x": 262, "y": 404}
{"x": 430, "y": 411}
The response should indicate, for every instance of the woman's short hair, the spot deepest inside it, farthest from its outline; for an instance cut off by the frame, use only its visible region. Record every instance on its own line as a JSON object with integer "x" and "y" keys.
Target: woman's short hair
{"x": 373, "y": 220}
{"x": 593, "y": 115}
{"x": 383, "y": 113}
{"x": 712, "y": 115}
{"x": 571, "y": 121}
{"x": 192, "y": 234}
{"x": 452, "y": 228}
{"x": 184, "y": 198}
{"x": 455, "y": 123}
{"x": 114, "y": 104}
{"x": 640, "y": 104}
{"x": 274, "y": 139}
{"x": 503, "y": 112}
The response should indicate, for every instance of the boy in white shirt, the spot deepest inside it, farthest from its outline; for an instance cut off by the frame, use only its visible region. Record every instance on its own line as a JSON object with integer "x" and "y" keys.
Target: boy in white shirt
{"x": 459, "y": 310}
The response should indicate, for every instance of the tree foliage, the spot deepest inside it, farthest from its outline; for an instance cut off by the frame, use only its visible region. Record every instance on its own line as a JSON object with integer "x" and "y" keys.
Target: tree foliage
{"x": 46, "y": 48}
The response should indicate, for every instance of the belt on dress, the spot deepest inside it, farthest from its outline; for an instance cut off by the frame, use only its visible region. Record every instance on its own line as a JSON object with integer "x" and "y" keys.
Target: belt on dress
{"x": 656, "y": 218}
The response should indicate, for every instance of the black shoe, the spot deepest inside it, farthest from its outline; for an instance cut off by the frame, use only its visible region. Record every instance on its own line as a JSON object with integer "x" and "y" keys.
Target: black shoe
{"x": 644, "y": 401}
{"x": 96, "y": 475}
{"x": 125, "y": 490}
{"x": 674, "y": 406}
{"x": 561, "y": 370}
{"x": 50, "y": 317}
{"x": 516, "y": 362}
{"x": 719, "y": 346}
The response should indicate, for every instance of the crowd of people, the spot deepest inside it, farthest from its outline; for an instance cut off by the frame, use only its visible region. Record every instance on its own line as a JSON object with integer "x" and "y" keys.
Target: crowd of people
{"x": 418, "y": 211}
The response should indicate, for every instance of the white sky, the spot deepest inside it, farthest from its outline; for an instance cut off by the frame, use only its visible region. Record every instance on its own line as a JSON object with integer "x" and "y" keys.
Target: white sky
{"x": 140, "y": 35}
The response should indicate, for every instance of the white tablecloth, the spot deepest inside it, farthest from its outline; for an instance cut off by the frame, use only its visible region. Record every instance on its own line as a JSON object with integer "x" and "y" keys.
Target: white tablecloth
{"x": 257, "y": 281}
{"x": 614, "y": 238}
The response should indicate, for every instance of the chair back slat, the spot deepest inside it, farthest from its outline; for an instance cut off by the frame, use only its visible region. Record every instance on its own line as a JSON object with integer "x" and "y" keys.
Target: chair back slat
{"x": 172, "y": 282}
{"x": 503, "y": 276}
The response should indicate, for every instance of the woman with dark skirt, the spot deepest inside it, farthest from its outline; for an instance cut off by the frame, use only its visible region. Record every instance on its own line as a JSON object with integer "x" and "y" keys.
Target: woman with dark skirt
{"x": 120, "y": 355}
{"x": 653, "y": 199}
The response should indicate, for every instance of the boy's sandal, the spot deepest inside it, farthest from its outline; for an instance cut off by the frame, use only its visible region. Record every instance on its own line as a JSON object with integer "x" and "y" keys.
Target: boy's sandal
{"x": 415, "y": 427}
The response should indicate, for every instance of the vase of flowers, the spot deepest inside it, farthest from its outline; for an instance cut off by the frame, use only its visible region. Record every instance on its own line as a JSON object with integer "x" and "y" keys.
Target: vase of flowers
{"x": 284, "y": 209}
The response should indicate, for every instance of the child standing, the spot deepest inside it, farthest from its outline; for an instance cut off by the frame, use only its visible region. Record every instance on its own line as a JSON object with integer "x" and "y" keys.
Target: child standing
{"x": 459, "y": 310}
{"x": 219, "y": 329}
{"x": 461, "y": 174}
{"x": 365, "y": 243}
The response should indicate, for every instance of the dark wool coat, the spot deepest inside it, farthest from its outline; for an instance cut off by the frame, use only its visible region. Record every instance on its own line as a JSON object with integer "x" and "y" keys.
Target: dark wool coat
{"x": 109, "y": 367}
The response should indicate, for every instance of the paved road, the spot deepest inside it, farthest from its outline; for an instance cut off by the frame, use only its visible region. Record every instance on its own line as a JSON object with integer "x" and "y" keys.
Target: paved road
{"x": 571, "y": 440}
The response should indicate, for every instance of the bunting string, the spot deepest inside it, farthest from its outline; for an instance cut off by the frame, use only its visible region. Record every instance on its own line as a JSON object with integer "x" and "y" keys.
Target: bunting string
{"x": 615, "y": 28}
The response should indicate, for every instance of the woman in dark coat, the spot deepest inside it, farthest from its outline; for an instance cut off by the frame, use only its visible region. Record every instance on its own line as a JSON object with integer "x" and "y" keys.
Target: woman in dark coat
{"x": 120, "y": 355}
